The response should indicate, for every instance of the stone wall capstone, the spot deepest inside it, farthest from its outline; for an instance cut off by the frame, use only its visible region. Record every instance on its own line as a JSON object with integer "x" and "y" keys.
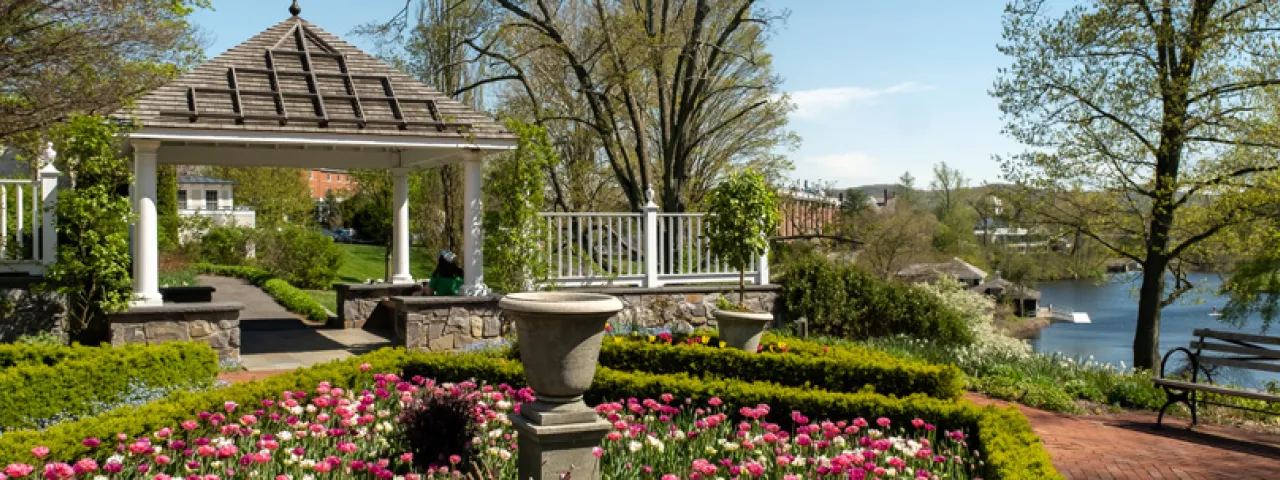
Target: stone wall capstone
{"x": 215, "y": 323}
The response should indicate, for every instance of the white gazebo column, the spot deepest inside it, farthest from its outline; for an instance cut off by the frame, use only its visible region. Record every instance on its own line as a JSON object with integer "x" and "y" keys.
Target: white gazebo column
{"x": 473, "y": 228}
{"x": 146, "y": 253}
{"x": 400, "y": 234}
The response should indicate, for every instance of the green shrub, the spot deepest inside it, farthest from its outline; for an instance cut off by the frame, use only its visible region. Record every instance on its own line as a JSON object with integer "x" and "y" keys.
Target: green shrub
{"x": 225, "y": 245}
{"x": 844, "y": 300}
{"x": 293, "y": 299}
{"x": 303, "y": 257}
{"x": 28, "y": 354}
{"x": 839, "y": 369}
{"x": 85, "y": 379}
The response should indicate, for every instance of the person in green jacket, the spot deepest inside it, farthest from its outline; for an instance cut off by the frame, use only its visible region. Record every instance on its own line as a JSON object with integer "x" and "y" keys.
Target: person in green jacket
{"x": 447, "y": 277}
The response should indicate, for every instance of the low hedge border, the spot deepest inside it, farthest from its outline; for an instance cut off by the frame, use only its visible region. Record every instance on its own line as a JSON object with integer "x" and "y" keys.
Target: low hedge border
{"x": 88, "y": 377}
{"x": 63, "y": 439}
{"x": 292, "y": 298}
{"x": 839, "y": 370}
{"x": 15, "y": 354}
{"x": 1011, "y": 449}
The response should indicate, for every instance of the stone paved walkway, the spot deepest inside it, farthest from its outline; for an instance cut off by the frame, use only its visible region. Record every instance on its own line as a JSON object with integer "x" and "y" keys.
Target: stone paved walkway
{"x": 272, "y": 338}
{"x": 1129, "y": 446}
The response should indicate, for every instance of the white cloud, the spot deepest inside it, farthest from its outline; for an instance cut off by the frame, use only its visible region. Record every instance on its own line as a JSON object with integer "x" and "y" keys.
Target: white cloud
{"x": 812, "y": 104}
{"x": 842, "y": 168}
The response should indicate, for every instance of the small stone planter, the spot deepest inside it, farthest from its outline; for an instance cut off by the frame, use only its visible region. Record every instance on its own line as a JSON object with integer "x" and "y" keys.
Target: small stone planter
{"x": 560, "y": 335}
{"x": 742, "y": 330}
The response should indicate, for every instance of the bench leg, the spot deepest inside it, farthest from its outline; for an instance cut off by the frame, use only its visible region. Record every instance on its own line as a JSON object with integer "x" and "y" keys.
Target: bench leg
{"x": 1171, "y": 398}
{"x": 1191, "y": 400}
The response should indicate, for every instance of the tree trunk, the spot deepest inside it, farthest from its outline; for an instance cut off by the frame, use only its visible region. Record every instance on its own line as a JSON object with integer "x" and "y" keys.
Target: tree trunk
{"x": 1146, "y": 339}
{"x": 742, "y": 287}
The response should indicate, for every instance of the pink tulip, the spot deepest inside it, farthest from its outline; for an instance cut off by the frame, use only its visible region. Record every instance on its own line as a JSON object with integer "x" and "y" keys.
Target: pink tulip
{"x": 40, "y": 452}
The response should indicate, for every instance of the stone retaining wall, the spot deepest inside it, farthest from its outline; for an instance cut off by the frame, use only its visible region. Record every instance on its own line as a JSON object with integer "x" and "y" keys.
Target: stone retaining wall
{"x": 215, "y": 323}
{"x": 23, "y": 312}
{"x": 360, "y": 304}
{"x": 452, "y": 323}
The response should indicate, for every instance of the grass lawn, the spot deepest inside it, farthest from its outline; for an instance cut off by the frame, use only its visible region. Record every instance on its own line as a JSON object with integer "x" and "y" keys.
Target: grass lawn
{"x": 328, "y": 298}
{"x": 365, "y": 262}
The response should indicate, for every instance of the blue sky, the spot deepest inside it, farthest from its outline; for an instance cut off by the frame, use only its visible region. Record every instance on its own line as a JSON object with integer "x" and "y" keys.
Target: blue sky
{"x": 882, "y": 87}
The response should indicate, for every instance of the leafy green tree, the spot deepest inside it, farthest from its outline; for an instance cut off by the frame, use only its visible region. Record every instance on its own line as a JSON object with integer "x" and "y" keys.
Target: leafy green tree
{"x": 61, "y": 57}
{"x": 513, "y": 232}
{"x": 370, "y": 211}
{"x": 1145, "y": 121}
{"x": 278, "y": 195}
{"x": 906, "y": 195}
{"x": 92, "y": 267}
{"x": 742, "y": 213}
{"x": 167, "y": 206}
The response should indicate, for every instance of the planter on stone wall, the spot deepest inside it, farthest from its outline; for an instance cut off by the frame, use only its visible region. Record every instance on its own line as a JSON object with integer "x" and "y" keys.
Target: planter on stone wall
{"x": 560, "y": 335}
{"x": 742, "y": 330}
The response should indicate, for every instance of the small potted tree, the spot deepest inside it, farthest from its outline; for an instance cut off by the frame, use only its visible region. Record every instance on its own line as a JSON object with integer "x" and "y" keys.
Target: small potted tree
{"x": 742, "y": 213}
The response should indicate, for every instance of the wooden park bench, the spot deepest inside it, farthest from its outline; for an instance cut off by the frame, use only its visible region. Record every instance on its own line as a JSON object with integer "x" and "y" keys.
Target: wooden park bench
{"x": 1219, "y": 349}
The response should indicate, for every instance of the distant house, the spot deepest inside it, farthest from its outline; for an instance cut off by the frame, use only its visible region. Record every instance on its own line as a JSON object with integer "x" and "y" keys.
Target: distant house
{"x": 322, "y": 181}
{"x": 211, "y": 198}
{"x": 1025, "y": 299}
{"x": 962, "y": 271}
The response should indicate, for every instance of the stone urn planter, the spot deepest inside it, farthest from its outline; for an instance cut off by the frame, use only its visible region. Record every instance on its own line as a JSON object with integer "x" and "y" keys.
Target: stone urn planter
{"x": 560, "y": 335}
{"x": 742, "y": 330}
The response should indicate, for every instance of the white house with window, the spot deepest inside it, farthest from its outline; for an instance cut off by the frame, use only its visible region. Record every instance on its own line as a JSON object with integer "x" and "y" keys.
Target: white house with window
{"x": 211, "y": 198}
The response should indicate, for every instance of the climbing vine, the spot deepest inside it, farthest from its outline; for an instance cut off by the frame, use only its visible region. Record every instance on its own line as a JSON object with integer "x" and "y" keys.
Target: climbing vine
{"x": 513, "y": 252}
{"x": 92, "y": 267}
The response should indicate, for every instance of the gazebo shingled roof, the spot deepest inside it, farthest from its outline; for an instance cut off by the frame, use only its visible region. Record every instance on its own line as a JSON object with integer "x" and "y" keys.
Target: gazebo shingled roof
{"x": 296, "y": 77}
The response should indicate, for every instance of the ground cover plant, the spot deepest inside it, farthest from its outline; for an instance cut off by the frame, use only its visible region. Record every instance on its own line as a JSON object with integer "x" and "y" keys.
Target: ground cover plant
{"x": 274, "y": 437}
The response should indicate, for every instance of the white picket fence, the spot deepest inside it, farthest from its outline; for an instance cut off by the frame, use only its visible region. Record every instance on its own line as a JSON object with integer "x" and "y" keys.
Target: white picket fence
{"x": 28, "y": 243}
{"x": 648, "y": 249}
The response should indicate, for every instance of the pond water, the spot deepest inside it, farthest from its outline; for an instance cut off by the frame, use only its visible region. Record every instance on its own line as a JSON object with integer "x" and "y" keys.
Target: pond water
{"x": 1113, "y": 307}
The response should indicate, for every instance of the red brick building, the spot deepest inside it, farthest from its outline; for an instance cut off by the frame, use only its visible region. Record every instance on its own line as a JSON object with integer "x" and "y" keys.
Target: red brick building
{"x": 324, "y": 180}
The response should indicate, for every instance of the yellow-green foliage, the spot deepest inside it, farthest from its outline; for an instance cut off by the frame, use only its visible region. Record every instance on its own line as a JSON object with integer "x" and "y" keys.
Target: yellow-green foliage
{"x": 804, "y": 364}
{"x": 76, "y": 381}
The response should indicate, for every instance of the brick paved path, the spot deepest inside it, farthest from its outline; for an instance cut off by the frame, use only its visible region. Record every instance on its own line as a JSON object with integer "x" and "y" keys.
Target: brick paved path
{"x": 1129, "y": 446}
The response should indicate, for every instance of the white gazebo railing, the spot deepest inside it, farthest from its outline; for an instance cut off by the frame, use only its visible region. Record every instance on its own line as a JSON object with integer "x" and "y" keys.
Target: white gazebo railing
{"x": 647, "y": 249}
{"x": 27, "y": 240}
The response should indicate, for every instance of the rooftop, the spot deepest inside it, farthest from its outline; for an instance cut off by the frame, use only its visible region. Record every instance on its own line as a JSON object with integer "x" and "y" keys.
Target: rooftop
{"x": 296, "y": 77}
{"x": 203, "y": 180}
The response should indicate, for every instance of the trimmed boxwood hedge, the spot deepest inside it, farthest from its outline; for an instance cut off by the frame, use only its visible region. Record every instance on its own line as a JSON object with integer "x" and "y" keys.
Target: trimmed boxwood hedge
{"x": 1010, "y": 448}
{"x": 838, "y": 370}
{"x": 293, "y": 299}
{"x": 14, "y": 354}
{"x": 81, "y": 379}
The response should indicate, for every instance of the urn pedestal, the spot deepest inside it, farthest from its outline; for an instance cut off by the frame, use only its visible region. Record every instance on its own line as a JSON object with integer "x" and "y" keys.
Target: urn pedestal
{"x": 560, "y": 335}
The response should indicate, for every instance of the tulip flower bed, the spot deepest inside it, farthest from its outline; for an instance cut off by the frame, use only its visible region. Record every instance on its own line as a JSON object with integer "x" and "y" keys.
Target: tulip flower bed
{"x": 839, "y": 369}
{"x": 265, "y": 443}
{"x": 330, "y": 432}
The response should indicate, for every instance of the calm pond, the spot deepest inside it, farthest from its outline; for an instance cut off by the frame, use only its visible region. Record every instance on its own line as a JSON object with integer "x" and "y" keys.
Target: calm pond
{"x": 1113, "y": 307}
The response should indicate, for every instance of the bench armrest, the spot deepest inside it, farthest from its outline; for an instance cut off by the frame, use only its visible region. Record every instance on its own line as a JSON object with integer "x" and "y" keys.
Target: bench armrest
{"x": 1195, "y": 363}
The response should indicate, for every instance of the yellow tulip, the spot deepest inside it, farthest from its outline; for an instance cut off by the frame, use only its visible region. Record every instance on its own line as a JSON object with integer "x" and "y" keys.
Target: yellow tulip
{"x": 617, "y": 339}
{"x": 650, "y": 338}
{"x": 705, "y": 339}
{"x": 721, "y": 344}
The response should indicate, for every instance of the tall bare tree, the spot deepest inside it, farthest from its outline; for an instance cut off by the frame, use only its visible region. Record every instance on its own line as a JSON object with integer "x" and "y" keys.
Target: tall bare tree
{"x": 669, "y": 89}
{"x": 1144, "y": 126}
